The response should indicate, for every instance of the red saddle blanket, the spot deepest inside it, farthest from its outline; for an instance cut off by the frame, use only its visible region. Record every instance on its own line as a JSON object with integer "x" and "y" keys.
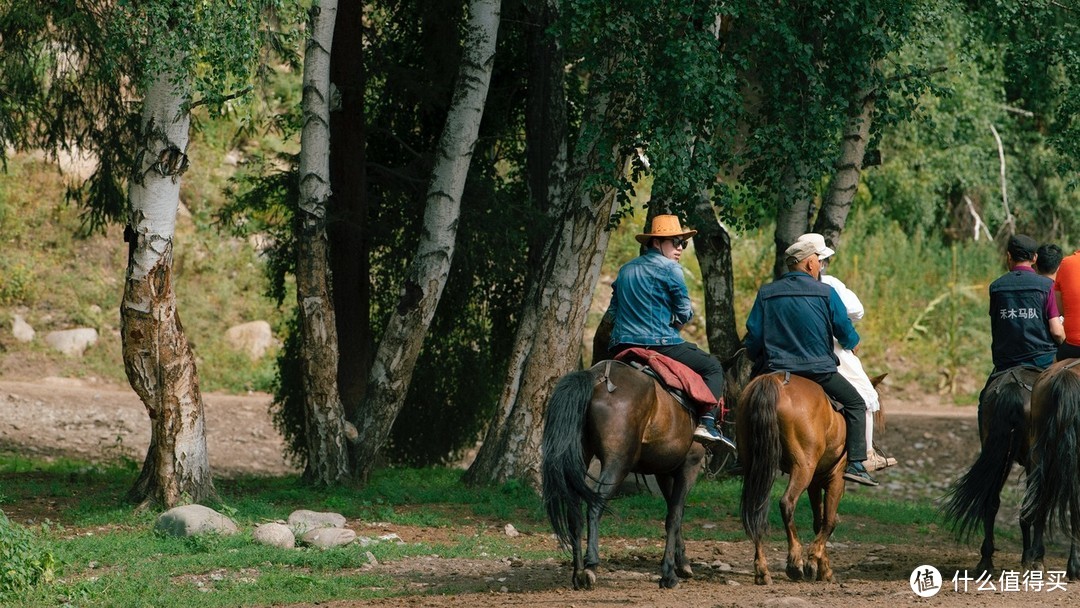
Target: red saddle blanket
{"x": 675, "y": 375}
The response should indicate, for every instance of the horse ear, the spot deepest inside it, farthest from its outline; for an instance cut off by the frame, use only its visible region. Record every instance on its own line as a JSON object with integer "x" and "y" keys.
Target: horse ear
{"x": 733, "y": 360}
{"x": 876, "y": 380}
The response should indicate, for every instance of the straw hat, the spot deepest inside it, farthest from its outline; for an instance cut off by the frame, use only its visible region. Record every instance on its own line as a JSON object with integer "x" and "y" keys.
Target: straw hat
{"x": 665, "y": 227}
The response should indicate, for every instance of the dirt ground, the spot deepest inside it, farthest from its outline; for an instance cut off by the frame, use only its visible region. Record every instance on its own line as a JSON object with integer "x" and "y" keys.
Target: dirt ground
{"x": 934, "y": 442}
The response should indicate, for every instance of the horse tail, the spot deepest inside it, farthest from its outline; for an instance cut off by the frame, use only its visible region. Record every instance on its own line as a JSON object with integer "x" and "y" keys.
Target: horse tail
{"x": 1054, "y": 485}
{"x": 761, "y": 437}
{"x": 563, "y": 468}
{"x": 977, "y": 493}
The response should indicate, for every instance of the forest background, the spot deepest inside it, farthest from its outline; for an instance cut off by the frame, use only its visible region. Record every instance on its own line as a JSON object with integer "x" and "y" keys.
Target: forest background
{"x": 943, "y": 127}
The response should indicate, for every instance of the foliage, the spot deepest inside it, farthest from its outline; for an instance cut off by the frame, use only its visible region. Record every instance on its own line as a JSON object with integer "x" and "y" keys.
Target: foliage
{"x": 25, "y": 562}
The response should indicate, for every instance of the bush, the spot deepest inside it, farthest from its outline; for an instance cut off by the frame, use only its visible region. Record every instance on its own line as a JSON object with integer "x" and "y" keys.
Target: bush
{"x": 23, "y": 562}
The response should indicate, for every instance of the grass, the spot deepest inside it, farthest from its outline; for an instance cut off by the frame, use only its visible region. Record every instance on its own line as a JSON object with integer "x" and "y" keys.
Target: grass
{"x": 109, "y": 555}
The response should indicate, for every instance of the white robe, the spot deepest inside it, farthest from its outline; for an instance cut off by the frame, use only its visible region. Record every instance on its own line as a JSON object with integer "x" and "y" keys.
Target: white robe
{"x": 850, "y": 367}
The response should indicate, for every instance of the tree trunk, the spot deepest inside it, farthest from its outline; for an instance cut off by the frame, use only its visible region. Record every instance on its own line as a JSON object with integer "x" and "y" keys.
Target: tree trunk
{"x": 793, "y": 210}
{"x": 158, "y": 359}
{"x": 713, "y": 248}
{"x": 349, "y": 251}
{"x": 548, "y": 340}
{"x": 845, "y": 182}
{"x": 325, "y": 419}
{"x": 399, "y": 349}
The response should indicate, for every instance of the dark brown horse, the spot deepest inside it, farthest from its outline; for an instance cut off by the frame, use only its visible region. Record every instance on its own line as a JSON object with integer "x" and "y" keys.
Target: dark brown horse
{"x": 786, "y": 422}
{"x": 1053, "y": 484}
{"x": 625, "y": 419}
{"x": 1004, "y": 434}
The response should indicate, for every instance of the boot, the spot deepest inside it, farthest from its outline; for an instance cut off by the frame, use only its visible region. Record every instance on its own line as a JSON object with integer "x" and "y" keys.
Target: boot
{"x": 708, "y": 433}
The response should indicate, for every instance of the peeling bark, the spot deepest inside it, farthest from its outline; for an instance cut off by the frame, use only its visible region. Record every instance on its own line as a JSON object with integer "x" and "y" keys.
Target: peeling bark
{"x": 845, "y": 181}
{"x": 158, "y": 359}
{"x": 395, "y": 359}
{"x": 328, "y": 461}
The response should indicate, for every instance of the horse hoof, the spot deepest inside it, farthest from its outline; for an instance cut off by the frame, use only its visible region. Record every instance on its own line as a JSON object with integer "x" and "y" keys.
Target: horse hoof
{"x": 794, "y": 572}
{"x": 763, "y": 579}
{"x": 684, "y": 571}
{"x": 669, "y": 583}
{"x": 810, "y": 571}
{"x": 590, "y": 579}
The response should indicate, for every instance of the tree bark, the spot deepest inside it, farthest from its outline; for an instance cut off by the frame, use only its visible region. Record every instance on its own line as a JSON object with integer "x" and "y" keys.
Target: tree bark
{"x": 325, "y": 418}
{"x": 158, "y": 359}
{"x": 713, "y": 248}
{"x": 793, "y": 210}
{"x": 548, "y": 340}
{"x": 845, "y": 181}
{"x": 399, "y": 349}
{"x": 349, "y": 249}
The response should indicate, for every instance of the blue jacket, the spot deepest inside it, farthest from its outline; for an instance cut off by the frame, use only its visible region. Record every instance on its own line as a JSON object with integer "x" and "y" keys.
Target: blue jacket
{"x": 649, "y": 302}
{"x": 793, "y": 322}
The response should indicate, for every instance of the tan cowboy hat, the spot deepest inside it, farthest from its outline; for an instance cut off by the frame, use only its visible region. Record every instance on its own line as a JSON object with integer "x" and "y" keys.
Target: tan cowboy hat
{"x": 665, "y": 227}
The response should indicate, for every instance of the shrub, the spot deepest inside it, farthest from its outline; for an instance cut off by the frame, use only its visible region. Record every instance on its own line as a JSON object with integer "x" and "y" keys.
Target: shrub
{"x": 23, "y": 562}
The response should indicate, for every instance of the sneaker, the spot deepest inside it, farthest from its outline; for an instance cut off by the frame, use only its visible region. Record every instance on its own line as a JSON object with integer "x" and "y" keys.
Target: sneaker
{"x": 856, "y": 472}
{"x": 707, "y": 433}
{"x": 876, "y": 462}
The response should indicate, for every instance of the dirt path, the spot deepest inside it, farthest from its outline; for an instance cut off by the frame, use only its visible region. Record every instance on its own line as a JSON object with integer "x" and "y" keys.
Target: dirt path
{"x": 934, "y": 441}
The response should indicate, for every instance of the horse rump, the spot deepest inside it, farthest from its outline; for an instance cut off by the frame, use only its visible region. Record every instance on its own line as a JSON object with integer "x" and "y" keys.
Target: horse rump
{"x": 1053, "y": 487}
{"x": 977, "y": 493}
{"x": 759, "y": 450}
{"x": 563, "y": 467}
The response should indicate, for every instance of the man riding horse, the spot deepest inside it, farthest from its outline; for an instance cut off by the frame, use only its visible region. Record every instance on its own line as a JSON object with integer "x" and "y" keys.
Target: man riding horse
{"x": 791, "y": 329}
{"x": 650, "y": 305}
{"x": 1024, "y": 321}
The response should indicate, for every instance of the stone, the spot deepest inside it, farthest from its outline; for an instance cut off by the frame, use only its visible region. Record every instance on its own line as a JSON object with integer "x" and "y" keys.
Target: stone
{"x": 254, "y": 338}
{"x": 72, "y": 342}
{"x": 327, "y": 538}
{"x": 274, "y": 535}
{"x": 21, "y": 329}
{"x": 303, "y": 520}
{"x": 190, "y": 520}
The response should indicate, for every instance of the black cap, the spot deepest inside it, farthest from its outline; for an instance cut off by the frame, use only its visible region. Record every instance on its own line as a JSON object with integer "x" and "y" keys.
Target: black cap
{"x": 1022, "y": 248}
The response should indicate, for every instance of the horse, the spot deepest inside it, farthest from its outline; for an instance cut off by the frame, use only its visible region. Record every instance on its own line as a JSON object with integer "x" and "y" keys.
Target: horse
{"x": 629, "y": 422}
{"x": 787, "y": 422}
{"x": 1052, "y": 496}
{"x": 1005, "y": 439}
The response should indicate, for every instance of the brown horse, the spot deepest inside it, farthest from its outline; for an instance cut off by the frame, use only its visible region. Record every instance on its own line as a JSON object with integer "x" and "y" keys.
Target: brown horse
{"x": 786, "y": 421}
{"x": 1053, "y": 483}
{"x": 1003, "y": 431}
{"x": 632, "y": 425}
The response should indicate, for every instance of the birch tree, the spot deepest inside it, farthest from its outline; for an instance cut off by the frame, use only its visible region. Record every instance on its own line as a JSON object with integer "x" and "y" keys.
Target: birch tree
{"x": 326, "y": 426}
{"x": 396, "y": 356}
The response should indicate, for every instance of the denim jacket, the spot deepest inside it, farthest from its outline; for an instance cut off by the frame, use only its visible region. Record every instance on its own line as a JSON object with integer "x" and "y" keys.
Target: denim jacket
{"x": 649, "y": 302}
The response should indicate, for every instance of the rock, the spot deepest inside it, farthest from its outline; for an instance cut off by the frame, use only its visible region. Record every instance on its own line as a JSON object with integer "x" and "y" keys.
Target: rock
{"x": 190, "y": 520}
{"x": 511, "y": 531}
{"x": 21, "y": 329}
{"x": 254, "y": 338}
{"x": 274, "y": 535}
{"x": 326, "y": 538}
{"x": 302, "y": 521}
{"x": 72, "y": 342}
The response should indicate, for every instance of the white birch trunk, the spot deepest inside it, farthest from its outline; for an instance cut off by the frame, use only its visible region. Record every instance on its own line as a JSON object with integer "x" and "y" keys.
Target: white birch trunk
{"x": 395, "y": 359}
{"x": 326, "y": 425}
{"x": 158, "y": 359}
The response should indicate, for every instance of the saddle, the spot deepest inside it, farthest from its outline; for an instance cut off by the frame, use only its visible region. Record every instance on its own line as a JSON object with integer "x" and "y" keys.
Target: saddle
{"x": 683, "y": 383}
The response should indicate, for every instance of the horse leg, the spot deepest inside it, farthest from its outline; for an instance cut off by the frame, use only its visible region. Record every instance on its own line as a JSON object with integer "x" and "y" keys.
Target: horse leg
{"x": 611, "y": 475}
{"x": 986, "y": 563}
{"x": 797, "y": 484}
{"x": 814, "y": 492}
{"x": 817, "y": 558}
{"x": 676, "y": 487}
{"x": 1034, "y": 549}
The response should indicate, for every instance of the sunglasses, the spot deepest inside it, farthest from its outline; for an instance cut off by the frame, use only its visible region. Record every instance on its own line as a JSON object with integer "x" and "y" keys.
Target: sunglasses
{"x": 679, "y": 242}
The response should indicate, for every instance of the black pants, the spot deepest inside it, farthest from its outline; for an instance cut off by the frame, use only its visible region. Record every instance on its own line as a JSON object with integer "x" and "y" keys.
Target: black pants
{"x": 1067, "y": 351}
{"x": 837, "y": 387}
{"x": 693, "y": 357}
